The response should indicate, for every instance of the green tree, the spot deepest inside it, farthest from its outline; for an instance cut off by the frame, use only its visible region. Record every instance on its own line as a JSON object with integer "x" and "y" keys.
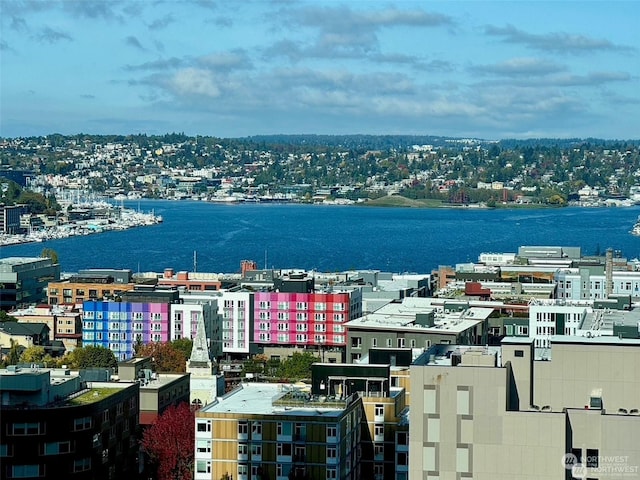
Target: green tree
{"x": 298, "y": 366}
{"x": 184, "y": 345}
{"x": 14, "y": 353}
{"x": 5, "y": 317}
{"x": 91, "y": 356}
{"x": 50, "y": 253}
{"x": 34, "y": 354}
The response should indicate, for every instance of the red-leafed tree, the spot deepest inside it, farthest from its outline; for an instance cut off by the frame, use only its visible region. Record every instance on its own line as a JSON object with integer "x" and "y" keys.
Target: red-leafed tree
{"x": 169, "y": 442}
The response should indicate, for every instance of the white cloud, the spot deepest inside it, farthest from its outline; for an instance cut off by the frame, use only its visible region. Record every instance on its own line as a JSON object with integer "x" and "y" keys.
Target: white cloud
{"x": 194, "y": 81}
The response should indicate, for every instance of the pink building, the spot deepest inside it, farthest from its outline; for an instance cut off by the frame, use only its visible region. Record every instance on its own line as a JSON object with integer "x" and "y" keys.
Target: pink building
{"x": 304, "y": 319}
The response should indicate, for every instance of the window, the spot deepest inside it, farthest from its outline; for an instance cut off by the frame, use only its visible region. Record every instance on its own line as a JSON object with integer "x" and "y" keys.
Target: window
{"x": 256, "y": 450}
{"x": 320, "y": 317}
{"x": 402, "y": 459}
{"x": 332, "y": 431}
{"x": 283, "y": 305}
{"x": 388, "y": 342}
{"x": 592, "y": 458}
{"x": 27, "y": 429}
{"x": 301, "y": 305}
{"x": 332, "y": 452}
{"x": 82, "y": 465}
{"x": 378, "y": 430}
{"x": 338, "y": 317}
{"x": 301, "y": 317}
{"x": 243, "y": 449}
{"x": 264, "y": 305}
{"x": 56, "y": 448}
{"x": 356, "y": 342}
{"x": 283, "y": 449}
{"x": 203, "y": 466}
{"x": 378, "y": 449}
{"x": 332, "y": 473}
{"x": 519, "y": 353}
{"x": 319, "y": 328}
{"x": 301, "y": 327}
{"x": 283, "y": 327}
{"x": 374, "y": 342}
{"x": 243, "y": 470}
{"x": 283, "y": 315}
{"x": 26, "y": 471}
{"x": 379, "y": 411}
{"x": 83, "y": 423}
{"x": 204, "y": 426}
{"x": 400, "y": 342}
{"x": 256, "y": 428}
{"x": 203, "y": 446}
{"x": 243, "y": 428}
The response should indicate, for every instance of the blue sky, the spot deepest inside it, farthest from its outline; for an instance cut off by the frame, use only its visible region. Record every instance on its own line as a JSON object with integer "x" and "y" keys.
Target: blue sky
{"x": 504, "y": 69}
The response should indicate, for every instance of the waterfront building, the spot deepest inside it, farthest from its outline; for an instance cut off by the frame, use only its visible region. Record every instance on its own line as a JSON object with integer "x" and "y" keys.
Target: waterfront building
{"x": 276, "y": 431}
{"x": 55, "y": 424}
{"x": 158, "y": 391}
{"x": 504, "y": 412}
{"x": 65, "y": 324}
{"x": 90, "y": 285}
{"x": 416, "y": 323}
{"x": 10, "y": 218}
{"x": 23, "y": 280}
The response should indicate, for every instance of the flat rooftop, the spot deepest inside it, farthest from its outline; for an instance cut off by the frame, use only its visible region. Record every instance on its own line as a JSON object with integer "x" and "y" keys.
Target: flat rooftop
{"x": 259, "y": 399}
{"x": 444, "y": 355}
{"x": 403, "y": 316}
{"x": 604, "y": 320}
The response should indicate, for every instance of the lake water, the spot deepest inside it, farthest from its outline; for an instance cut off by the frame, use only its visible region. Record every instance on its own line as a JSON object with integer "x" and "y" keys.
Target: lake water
{"x": 334, "y": 238}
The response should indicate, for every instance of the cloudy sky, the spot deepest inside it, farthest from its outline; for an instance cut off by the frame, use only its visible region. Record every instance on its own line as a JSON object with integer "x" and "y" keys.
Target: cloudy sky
{"x": 503, "y": 69}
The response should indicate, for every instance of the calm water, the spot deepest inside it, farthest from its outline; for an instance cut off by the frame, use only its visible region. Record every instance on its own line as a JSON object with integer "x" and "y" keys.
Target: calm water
{"x": 334, "y": 238}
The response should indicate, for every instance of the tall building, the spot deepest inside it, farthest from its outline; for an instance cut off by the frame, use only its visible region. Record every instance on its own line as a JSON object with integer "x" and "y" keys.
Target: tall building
{"x": 24, "y": 280}
{"x": 56, "y": 425}
{"x": 505, "y": 412}
{"x": 264, "y": 430}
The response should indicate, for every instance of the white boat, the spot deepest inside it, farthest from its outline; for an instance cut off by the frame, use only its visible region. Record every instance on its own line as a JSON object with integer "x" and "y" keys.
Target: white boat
{"x": 636, "y": 228}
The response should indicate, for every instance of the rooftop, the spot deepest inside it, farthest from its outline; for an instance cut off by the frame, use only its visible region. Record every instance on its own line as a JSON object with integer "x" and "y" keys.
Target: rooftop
{"x": 403, "y": 316}
{"x": 273, "y": 399}
{"x": 464, "y": 355}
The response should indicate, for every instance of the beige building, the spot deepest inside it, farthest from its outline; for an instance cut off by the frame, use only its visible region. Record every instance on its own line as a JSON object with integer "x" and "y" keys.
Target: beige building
{"x": 264, "y": 430}
{"x": 514, "y": 412}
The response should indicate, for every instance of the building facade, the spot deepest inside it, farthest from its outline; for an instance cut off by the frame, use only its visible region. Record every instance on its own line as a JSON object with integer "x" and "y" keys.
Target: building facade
{"x": 55, "y": 425}
{"x": 265, "y": 431}
{"x": 24, "y": 280}
{"x": 304, "y": 319}
{"x": 492, "y": 413}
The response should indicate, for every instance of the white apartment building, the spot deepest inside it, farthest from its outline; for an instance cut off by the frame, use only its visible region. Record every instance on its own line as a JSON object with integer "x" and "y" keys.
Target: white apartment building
{"x": 581, "y": 284}
{"x": 553, "y": 317}
{"x": 184, "y": 320}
